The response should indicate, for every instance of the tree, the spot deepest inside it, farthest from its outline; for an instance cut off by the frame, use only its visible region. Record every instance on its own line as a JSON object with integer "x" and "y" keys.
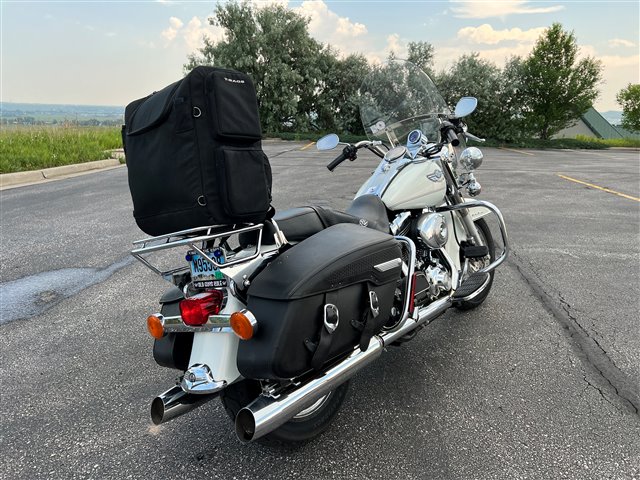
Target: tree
{"x": 497, "y": 116}
{"x": 337, "y": 105}
{"x": 273, "y": 45}
{"x": 629, "y": 99}
{"x": 421, "y": 54}
{"x": 556, "y": 87}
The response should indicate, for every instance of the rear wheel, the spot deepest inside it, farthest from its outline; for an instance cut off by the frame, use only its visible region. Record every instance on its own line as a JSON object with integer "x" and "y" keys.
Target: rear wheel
{"x": 476, "y": 298}
{"x": 307, "y": 424}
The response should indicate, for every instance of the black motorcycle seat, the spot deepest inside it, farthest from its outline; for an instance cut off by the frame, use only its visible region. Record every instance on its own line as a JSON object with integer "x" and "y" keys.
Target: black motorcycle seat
{"x": 370, "y": 209}
{"x": 302, "y": 222}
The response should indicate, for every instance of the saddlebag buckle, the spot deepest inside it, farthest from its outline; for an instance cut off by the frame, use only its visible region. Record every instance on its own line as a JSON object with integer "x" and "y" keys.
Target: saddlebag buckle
{"x": 331, "y": 317}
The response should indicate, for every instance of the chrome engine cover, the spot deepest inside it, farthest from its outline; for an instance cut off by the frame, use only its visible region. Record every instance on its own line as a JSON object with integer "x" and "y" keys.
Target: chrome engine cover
{"x": 433, "y": 230}
{"x": 439, "y": 280}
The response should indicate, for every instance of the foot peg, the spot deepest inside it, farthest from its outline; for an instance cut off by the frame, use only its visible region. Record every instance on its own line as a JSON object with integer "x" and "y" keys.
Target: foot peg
{"x": 473, "y": 251}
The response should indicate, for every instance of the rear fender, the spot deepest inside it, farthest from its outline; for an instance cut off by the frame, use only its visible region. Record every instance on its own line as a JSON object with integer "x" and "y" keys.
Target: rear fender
{"x": 218, "y": 350}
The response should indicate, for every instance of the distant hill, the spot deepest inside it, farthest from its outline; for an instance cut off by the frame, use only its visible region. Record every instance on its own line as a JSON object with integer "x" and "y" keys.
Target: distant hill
{"x": 10, "y": 109}
{"x": 46, "y": 114}
{"x": 614, "y": 117}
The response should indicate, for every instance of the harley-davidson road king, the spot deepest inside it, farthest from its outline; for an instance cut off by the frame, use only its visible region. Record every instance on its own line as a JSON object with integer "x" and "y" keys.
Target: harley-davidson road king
{"x": 275, "y": 317}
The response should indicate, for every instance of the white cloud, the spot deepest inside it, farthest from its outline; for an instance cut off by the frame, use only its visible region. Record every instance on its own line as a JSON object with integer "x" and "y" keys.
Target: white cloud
{"x": 170, "y": 33}
{"x": 175, "y": 23}
{"x": 192, "y": 33}
{"x": 617, "y": 61}
{"x": 110, "y": 34}
{"x": 446, "y": 55}
{"x": 328, "y": 27}
{"x": 346, "y": 35}
{"x": 485, "y": 34}
{"x": 503, "y": 8}
{"x": 620, "y": 42}
{"x": 395, "y": 45}
{"x": 266, "y": 3}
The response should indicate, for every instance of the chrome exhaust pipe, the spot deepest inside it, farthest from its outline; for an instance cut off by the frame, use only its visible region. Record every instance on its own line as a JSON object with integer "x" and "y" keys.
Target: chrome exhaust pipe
{"x": 175, "y": 402}
{"x": 265, "y": 414}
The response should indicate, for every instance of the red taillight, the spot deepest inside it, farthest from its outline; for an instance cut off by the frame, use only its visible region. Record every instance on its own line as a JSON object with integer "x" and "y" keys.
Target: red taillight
{"x": 195, "y": 310}
{"x": 412, "y": 297}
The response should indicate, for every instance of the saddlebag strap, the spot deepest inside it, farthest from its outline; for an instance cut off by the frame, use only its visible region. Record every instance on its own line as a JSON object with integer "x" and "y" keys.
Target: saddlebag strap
{"x": 368, "y": 326}
{"x": 330, "y": 320}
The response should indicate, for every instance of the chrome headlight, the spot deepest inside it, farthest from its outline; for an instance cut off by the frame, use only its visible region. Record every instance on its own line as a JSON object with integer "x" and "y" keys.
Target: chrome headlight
{"x": 471, "y": 158}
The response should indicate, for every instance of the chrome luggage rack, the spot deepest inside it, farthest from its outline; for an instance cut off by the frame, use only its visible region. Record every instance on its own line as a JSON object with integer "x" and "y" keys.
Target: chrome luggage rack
{"x": 197, "y": 239}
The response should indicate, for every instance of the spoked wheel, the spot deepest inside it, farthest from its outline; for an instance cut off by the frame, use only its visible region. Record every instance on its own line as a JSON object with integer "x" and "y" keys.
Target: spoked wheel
{"x": 475, "y": 286}
{"x": 306, "y": 425}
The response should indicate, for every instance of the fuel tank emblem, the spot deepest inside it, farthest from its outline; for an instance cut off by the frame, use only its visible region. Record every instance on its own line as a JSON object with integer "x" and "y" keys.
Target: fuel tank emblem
{"x": 435, "y": 176}
{"x": 364, "y": 222}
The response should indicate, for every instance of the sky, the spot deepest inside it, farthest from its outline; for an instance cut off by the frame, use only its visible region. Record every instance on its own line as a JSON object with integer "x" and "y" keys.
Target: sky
{"x": 112, "y": 52}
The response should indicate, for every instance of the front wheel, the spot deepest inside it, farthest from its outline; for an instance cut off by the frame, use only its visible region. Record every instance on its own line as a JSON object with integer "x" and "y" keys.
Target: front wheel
{"x": 306, "y": 425}
{"x": 481, "y": 294}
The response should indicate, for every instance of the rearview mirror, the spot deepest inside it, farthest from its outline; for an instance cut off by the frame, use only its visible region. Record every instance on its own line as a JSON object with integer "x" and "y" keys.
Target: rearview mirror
{"x": 465, "y": 106}
{"x": 328, "y": 142}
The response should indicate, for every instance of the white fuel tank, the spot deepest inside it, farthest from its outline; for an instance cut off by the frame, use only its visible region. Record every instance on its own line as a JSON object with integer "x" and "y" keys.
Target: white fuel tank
{"x": 417, "y": 185}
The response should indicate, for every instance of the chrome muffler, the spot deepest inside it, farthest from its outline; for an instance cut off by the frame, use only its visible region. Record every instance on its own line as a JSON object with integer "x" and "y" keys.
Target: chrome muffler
{"x": 267, "y": 413}
{"x": 175, "y": 402}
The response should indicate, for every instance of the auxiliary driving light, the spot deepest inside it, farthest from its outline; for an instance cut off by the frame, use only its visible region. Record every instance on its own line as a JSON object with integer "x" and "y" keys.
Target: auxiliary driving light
{"x": 155, "y": 326}
{"x": 243, "y": 324}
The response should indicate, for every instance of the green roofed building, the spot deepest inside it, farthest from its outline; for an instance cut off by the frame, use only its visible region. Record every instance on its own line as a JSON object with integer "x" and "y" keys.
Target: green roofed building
{"x": 592, "y": 124}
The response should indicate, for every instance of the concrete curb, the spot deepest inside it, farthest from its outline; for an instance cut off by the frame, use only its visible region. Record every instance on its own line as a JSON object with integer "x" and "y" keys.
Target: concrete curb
{"x": 18, "y": 178}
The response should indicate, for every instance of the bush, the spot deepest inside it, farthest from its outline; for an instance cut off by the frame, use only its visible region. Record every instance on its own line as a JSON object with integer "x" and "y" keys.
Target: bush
{"x": 298, "y": 137}
{"x": 537, "y": 143}
{"x": 612, "y": 142}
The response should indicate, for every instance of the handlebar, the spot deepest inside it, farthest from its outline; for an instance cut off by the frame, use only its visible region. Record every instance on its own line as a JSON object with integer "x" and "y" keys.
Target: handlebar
{"x": 338, "y": 160}
{"x": 470, "y": 136}
{"x": 350, "y": 152}
{"x": 453, "y": 138}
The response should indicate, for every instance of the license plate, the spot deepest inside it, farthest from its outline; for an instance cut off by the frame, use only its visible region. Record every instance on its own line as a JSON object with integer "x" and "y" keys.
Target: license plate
{"x": 205, "y": 274}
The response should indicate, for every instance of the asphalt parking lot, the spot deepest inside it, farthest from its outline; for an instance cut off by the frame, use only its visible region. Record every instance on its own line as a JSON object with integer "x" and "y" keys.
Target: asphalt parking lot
{"x": 540, "y": 382}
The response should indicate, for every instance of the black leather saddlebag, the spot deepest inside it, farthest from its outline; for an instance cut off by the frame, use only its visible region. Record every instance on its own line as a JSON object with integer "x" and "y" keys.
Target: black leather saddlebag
{"x": 194, "y": 155}
{"x": 344, "y": 275}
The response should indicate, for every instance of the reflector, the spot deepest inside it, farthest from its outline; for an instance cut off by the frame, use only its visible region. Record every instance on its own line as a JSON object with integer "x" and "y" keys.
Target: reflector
{"x": 244, "y": 324}
{"x": 155, "y": 326}
{"x": 195, "y": 310}
{"x": 412, "y": 298}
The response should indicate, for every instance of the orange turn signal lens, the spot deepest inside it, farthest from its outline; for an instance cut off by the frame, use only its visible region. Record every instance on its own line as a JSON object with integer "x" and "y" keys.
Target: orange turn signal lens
{"x": 155, "y": 326}
{"x": 243, "y": 324}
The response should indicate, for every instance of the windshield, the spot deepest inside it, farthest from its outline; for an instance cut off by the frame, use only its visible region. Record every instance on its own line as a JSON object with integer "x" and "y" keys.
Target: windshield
{"x": 396, "y": 98}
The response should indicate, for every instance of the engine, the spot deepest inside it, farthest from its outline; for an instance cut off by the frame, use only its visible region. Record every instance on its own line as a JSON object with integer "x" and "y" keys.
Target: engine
{"x": 434, "y": 278}
{"x": 430, "y": 231}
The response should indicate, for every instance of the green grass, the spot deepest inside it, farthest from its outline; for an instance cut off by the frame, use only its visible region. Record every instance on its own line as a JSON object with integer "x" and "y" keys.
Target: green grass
{"x": 612, "y": 142}
{"x": 32, "y": 148}
{"x": 536, "y": 143}
{"x": 580, "y": 142}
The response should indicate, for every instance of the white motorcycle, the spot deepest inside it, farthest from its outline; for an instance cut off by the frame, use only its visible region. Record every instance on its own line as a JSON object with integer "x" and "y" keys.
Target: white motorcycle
{"x": 275, "y": 318}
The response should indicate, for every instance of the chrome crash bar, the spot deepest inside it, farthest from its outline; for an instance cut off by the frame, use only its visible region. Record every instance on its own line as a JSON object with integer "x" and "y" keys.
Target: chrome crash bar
{"x": 503, "y": 228}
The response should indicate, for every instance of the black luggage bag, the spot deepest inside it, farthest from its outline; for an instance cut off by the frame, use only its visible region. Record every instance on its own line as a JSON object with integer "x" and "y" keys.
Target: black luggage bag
{"x": 342, "y": 279}
{"x": 194, "y": 155}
